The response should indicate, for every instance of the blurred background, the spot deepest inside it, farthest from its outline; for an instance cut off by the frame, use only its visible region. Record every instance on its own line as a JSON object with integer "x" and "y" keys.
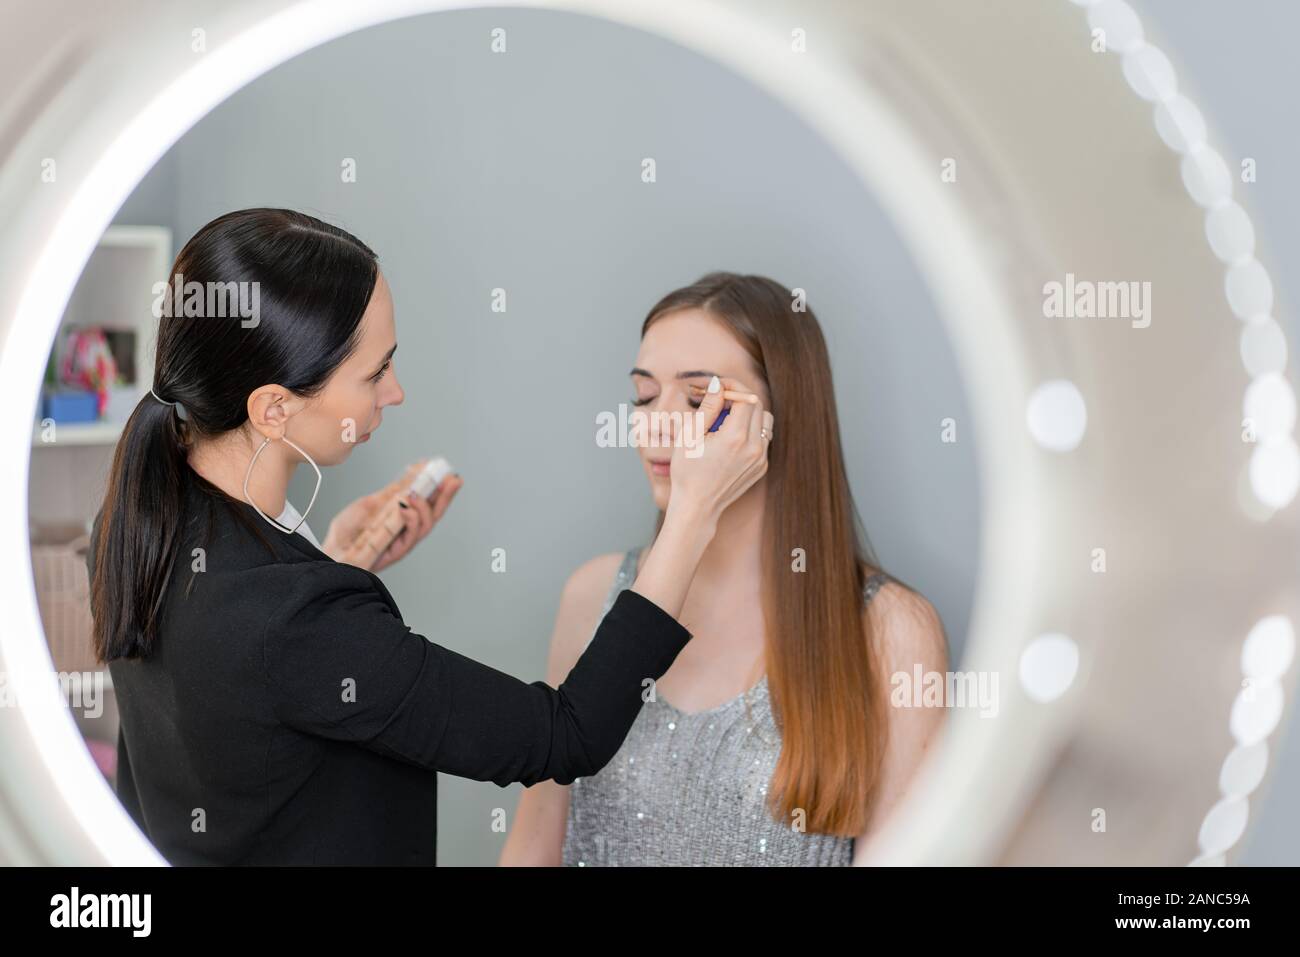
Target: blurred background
{"x": 523, "y": 172}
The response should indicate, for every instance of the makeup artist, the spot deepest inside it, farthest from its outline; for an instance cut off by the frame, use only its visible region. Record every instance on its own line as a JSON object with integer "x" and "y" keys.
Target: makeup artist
{"x": 275, "y": 708}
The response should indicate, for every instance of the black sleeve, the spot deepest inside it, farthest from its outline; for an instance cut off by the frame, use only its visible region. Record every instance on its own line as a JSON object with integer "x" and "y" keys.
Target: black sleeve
{"x": 341, "y": 665}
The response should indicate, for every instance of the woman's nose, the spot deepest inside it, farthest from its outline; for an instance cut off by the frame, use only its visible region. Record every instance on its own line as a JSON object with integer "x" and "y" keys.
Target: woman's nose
{"x": 663, "y": 432}
{"x": 396, "y": 394}
{"x": 671, "y": 413}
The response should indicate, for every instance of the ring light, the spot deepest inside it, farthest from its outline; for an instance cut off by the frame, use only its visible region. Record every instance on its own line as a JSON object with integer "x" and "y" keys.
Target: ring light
{"x": 1144, "y": 688}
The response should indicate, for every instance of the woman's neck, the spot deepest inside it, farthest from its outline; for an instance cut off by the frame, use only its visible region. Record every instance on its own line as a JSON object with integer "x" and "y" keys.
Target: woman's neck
{"x": 224, "y": 462}
{"x": 734, "y": 556}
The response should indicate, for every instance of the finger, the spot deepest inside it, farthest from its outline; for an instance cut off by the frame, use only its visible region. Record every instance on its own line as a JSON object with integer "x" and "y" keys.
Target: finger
{"x": 410, "y": 525}
{"x": 424, "y": 509}
{"x": 381, "y": 495}
{"x": 446, "y": 488}
{"x": 352, "y": 556}
{"x": 738, "y": 420}
{"x": 446, "y": 492}
{"x": 367, "y": 505}
{"x": 411, "y": 508}
{"x": 396, "y": 487}
{"x": 711, "y": 405}
{"x": 403, "y": 540}
{"x": 730, "y": 395}
{"x": 400, "y": 484}
{"x": 757, "y": 422}
{"x": 735, "y": 390}
{"x": 385, "y": 558}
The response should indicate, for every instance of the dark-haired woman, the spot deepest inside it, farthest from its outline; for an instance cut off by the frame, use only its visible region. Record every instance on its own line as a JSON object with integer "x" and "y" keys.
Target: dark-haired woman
{"x": 275, "y": 708}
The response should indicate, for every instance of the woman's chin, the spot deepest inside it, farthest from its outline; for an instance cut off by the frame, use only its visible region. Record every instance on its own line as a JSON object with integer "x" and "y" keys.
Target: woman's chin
{"x": 660, "y": 489}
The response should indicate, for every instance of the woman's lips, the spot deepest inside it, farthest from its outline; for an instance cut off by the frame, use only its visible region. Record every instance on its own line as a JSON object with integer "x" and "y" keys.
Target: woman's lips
{"x": 660, "y": 466}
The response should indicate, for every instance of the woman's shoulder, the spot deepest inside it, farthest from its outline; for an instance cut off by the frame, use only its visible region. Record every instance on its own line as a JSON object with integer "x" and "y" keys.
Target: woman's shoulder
{"x": 904, "y": 622}
{"x": 591, "y": 581}
{"x": 288, "y": 587}
{"x": 586, "y": 592}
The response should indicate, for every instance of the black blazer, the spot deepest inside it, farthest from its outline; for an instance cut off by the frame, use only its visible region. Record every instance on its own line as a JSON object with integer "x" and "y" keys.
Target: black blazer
{"x": 287, "y": 714}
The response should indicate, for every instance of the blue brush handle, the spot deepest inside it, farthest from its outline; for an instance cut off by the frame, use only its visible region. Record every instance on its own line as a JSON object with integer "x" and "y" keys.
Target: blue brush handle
{"x": 718, "y": 422}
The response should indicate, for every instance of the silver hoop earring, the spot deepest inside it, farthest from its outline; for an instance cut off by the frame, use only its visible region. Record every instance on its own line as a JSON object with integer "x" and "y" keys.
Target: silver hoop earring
{"x": 248, "y": 498}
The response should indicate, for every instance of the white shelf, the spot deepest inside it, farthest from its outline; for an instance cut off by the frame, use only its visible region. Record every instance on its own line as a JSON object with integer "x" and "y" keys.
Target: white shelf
{"x": 115, "y": 291}
{"x": 78, "y": 434}
{"x": 156, "y": 238}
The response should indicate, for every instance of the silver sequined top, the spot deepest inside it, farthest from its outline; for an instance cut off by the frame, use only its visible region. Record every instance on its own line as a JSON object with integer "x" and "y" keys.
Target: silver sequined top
{"x": 689, "y": 789}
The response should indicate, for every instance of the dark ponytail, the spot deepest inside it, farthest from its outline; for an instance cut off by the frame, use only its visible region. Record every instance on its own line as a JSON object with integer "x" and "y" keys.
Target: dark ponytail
{"x": 313, "y": 282}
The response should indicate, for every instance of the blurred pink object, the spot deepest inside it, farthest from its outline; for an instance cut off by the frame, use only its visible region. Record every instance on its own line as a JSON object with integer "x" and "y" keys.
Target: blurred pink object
{"x": 88, "y": 363}
{"x": 105, "y": 757}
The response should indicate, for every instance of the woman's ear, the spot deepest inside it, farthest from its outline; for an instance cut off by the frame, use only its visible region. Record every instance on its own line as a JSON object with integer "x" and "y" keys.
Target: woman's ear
{"x": 269, "y": 410}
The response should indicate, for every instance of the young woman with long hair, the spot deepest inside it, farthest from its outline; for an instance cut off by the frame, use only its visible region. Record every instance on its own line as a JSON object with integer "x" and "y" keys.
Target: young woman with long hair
{"x": 771, "y": 739}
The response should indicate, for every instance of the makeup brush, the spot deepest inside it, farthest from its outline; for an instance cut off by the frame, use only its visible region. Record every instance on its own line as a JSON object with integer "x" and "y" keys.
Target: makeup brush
{"x": 699, "y": 392}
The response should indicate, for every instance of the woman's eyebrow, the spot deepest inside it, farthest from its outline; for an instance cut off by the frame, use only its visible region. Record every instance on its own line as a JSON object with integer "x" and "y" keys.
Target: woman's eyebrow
{"x": 388, "y": 355}
{"x": 689, "y": 374}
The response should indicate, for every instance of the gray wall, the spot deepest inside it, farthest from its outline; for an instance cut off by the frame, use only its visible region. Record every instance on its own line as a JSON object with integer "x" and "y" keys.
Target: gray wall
{"x": 522, "y": 171}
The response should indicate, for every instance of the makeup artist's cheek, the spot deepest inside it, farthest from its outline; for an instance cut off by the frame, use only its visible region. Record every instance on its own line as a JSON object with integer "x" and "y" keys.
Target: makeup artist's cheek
{"x": 353, "y": 419}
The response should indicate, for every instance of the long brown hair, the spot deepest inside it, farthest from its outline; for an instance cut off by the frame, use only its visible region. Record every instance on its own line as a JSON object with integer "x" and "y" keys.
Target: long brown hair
{"x": 823, "y": 673}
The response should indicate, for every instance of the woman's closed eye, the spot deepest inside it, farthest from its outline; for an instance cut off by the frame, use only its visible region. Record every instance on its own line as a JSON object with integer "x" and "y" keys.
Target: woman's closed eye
{"x": 691, "y": 402}
{"x": 382, "y": 371}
